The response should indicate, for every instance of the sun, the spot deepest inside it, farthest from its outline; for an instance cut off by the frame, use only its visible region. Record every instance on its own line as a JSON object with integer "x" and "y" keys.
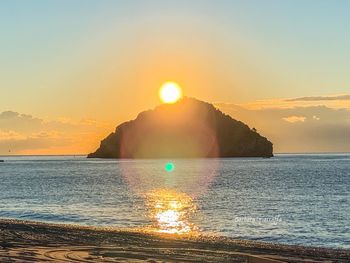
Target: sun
{"x": 170, "y": 92}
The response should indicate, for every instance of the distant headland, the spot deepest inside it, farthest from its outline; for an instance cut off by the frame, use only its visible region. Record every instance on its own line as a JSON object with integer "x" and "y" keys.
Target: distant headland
{"x": 189, "y": 128}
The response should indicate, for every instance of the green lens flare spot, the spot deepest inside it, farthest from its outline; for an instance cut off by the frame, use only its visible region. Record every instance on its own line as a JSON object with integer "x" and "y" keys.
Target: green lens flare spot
{"x": 169, "y": 167}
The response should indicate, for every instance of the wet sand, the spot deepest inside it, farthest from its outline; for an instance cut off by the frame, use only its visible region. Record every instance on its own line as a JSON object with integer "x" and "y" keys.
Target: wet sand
{"x": 22, "y": 241}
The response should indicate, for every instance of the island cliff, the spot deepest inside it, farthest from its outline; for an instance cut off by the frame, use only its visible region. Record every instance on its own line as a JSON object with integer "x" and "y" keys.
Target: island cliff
{"x": 188, "y": 128}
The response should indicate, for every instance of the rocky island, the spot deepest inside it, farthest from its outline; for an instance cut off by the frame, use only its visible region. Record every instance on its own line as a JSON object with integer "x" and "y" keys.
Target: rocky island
{"x": 189, "y": 128}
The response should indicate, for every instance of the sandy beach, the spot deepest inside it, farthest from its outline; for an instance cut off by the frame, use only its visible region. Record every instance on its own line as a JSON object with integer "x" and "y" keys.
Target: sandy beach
{"x": 23, "y": 241}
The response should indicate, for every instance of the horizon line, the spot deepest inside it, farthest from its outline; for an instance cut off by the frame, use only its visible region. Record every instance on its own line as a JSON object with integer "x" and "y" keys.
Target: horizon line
{"x": 85, "y": 154}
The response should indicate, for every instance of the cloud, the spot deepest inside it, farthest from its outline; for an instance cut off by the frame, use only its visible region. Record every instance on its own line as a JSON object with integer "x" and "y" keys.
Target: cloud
{"x": 325, "y": 127}
{"x": 321, "y": 98}
{"x": 293, "y": 119}
{"x": 335, "y": 102}
{"x": 25, "y": 134}
{"x": 318, "y": 126}
{"x": 8, "y": 114}
{"x": 11, "y": 135}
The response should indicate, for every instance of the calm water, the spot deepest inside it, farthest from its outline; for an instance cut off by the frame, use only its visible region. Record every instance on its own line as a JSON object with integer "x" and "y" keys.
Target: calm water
{"x": 294, "y": 199}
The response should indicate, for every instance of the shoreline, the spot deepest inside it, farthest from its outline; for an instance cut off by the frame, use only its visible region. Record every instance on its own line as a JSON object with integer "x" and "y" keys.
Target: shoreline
{"x": 31, "y": 241}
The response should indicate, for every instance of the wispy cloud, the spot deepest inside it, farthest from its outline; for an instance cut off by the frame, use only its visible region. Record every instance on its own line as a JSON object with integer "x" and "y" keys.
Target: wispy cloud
{"x": 11, "y": 135}
{"x": 25, "y": 134}
{"x": 335, "y": 102}
{"x": 321, "y": 98}
{"x": 293, "y": 119}
{"x": 319, "y": 126}
{"x": 292, "y": 124}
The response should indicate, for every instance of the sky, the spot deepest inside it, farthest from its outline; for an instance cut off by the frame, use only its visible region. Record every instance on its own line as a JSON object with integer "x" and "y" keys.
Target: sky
{"x": 71, "y": 71}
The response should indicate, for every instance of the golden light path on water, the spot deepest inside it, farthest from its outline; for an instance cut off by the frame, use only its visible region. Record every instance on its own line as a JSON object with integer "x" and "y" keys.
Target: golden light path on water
{"x": 168, "y": 192}
{"x": 170, "y": 211}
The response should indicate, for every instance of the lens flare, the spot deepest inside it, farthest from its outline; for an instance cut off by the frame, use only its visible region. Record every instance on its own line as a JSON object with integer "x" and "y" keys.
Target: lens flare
{"x": 190, "y": 176}
{"x": 169, "y": 167}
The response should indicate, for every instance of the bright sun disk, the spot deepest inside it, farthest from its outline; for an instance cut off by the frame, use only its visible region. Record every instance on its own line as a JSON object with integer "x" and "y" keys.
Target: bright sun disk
{"x": 170, "y": 92}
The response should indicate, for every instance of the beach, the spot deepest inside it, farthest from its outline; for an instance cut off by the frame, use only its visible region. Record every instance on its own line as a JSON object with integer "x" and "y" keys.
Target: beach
{"x": 26, "y": 241}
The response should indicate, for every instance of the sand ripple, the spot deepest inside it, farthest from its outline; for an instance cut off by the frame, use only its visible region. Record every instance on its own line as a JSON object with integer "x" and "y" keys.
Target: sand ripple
{"x": 122, "y": 254}
{"x": 38, "y": 242}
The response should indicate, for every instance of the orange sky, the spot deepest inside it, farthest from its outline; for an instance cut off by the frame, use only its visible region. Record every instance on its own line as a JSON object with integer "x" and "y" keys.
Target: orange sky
{"x": 71, "y": 72}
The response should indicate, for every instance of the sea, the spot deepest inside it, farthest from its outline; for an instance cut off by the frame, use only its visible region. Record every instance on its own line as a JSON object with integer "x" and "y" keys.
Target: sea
{"x": 299, "y": 199}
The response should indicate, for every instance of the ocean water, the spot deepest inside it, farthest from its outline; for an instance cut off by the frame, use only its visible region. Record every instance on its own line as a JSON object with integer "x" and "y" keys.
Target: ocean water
{"x": 292, "y": 199}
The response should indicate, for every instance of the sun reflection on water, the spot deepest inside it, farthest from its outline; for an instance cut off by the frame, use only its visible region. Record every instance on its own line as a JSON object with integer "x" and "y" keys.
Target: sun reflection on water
{"x": 170, "y": 211}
